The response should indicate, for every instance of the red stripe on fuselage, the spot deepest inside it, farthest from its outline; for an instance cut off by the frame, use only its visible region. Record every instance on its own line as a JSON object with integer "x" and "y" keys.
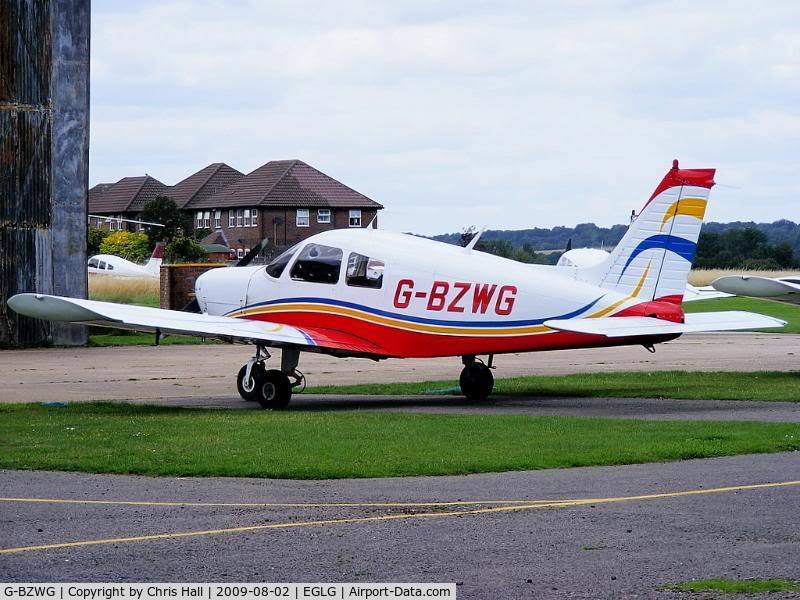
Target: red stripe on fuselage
{"x": 401, "y": 343}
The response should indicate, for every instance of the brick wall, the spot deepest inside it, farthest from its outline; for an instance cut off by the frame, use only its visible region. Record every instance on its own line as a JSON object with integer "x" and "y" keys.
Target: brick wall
{"x": 177, "y": 283}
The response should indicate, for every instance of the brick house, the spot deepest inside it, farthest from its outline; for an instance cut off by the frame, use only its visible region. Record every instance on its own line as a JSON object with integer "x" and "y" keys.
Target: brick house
{"x": 283, "y": 200}
{"x": 122, "y": 200}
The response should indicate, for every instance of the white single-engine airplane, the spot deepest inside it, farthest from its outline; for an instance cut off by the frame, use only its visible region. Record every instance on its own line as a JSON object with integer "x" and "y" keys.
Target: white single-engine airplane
{"x": 116, "y": 266}
{"x": 374, "y": 294}
{"x": 779, "y": 289}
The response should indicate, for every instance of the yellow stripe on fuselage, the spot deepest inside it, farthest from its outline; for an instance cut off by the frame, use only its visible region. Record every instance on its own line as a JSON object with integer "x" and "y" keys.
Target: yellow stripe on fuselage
{"x": 327, "y": 309}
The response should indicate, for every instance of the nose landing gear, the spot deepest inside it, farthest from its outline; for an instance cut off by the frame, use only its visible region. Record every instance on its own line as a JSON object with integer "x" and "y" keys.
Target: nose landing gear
{"x": 272, "y": 388}
{"x": 476, "y": 379}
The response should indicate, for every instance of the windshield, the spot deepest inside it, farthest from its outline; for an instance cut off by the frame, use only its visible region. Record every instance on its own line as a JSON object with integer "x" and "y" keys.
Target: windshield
{"x": 276, "y": 267}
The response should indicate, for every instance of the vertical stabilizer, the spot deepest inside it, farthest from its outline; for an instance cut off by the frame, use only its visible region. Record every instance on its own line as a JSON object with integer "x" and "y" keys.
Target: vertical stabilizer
{"x": 154, "y": 264}
{"x": 653, "y": 259}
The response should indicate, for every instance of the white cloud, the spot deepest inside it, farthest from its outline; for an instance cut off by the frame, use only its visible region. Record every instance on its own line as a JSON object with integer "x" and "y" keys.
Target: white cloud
{"x": 459, "y": 113}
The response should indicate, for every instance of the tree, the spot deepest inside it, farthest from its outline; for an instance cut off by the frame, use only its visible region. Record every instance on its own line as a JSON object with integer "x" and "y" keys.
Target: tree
{"x": 94, "y": 237}
{"x": 162, "y": 209}
{"x": 133, "y": 246}
{"x": 184, "y": 249}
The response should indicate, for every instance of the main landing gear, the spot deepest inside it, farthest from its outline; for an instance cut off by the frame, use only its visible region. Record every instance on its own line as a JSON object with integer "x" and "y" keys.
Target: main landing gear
{"x": 476, "y": 379}
{"x": 272, "y": 388}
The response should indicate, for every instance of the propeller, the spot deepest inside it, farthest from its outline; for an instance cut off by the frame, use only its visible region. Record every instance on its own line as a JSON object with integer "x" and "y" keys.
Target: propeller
{"x": 247, "y": 258}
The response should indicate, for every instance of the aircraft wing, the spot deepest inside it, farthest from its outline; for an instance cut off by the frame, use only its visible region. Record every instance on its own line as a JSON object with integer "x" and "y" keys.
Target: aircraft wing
{"x": 642, "y": 326}
{"x": 142, "y": 318}
{"x": 783, "y": 290}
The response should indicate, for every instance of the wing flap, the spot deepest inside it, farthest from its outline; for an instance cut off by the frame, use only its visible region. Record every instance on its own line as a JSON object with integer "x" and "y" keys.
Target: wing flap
{"x": 642, "y": 326}
{"x": 142, "y": 318}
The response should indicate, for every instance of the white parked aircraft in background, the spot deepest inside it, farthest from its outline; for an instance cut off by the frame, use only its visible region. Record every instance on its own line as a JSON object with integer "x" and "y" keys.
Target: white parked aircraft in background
{"x": 780, "y": 289}
{"x": 109, "y": 264}
{"x": 376, "y": 294}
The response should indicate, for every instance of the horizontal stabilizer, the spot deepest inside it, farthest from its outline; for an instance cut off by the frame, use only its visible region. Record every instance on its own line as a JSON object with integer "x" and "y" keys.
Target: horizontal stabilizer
{"x": 142, "y": 318}
{"x": 641, "y": 326}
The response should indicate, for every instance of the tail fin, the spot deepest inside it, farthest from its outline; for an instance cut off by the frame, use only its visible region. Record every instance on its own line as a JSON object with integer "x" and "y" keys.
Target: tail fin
{"x": 653, "y": 259}
{"x": 154, "y": 264}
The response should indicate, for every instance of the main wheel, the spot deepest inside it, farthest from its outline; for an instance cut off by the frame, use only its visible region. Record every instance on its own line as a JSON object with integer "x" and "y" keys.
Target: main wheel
{"x": 248, "y": 390}
{"x": 476, "y": 381}
{"x": 275, "y": 390}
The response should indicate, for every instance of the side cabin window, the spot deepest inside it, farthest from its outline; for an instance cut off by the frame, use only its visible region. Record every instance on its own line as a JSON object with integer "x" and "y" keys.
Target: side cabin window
{"x": 278, "y": 265}
{"x": 93, "y": 263}
{"x": 318, "y": 264}
{"x": 363, "y": 271}
{"x": 102, "y": 265}
{"x": 110, "y": 267}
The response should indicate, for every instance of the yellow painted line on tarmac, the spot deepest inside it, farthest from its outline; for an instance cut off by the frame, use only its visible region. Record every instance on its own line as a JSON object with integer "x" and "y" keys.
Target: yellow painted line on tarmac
{"x": 399, "y": 517}
{"x": 269, "y": 504}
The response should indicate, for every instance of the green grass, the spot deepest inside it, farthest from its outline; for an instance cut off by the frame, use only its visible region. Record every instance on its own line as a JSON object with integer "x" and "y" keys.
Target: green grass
{"x": 787, "y": 312}
{"x": 142, "y": 339}
{"x": 119, "y": 438}
{"x": 738, "y": 586}
{"x": 717, "y": 385}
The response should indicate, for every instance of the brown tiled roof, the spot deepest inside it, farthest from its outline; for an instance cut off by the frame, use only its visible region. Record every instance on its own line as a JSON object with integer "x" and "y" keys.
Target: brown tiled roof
{"x": 206, "y": 182}
{"x": 129, "y": 194}
{"x": 282, "y": 183}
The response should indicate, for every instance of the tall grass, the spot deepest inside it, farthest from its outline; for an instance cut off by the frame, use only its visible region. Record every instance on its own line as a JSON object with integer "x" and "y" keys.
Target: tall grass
{"x": 700, "y": 277}
{"x": 127, "y": 290}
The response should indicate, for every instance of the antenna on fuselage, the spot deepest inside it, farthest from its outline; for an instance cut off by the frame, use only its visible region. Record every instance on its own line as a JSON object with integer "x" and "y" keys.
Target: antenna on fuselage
{"x": 475, "y": 239}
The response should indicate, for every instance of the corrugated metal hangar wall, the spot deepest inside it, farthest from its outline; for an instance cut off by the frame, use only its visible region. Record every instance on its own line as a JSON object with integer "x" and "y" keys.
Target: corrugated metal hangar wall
{"x": 44, "y": 160}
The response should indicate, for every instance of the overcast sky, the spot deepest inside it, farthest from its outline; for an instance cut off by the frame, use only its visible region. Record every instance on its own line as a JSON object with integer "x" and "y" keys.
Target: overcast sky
{"x": 453, "y": 113}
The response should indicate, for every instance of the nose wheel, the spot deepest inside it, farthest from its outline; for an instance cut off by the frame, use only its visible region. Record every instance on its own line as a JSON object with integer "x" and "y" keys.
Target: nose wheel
{"x": 476, "y": 380}
{"x": 272, "y": 388}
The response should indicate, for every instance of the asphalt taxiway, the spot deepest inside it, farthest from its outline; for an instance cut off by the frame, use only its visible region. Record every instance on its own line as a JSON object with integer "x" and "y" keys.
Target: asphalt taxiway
{"x": 144, "y": 372}
{"x": 583, "y": 533}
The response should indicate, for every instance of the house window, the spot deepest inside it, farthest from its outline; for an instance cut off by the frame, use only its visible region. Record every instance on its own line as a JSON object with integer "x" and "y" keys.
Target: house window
{"x": 231, "y": 218}
{"x": 207, "y": 220}
{"x": 254, "y": 217}
{"x": 240, "y": 253}
{"x": 324, "y": 215}
{"x": 247, "y": 217}
{"x": 355, "y": 217}
{"x": 302, "y": 217}
{"x": 199, "y": 219}
{"x": 239, "y": 218}
{"x": 217, "y": 219}
{"x": 112, "y": 224}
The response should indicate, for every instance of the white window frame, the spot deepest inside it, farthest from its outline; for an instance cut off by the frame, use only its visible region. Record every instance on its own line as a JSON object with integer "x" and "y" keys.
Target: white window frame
{"x": 355, "y": 213}
{"x": 254, "y": 217}
{"x": 217, "y": 218}
{"x": 199, "y": 219}
{"x": 207, "y": 219}
{"x": 324, "y": 215}
{"x": 239, "y": 217}
{"x": 240, "y": 253}
{"x": 302, "y": 218}
{"x": 231, "y": 218}
{"x": 247, "y": 217}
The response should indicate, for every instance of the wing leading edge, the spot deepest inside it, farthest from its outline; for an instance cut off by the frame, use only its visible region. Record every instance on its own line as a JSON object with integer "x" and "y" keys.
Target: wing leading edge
{"x": 613, "y": 327}
{"x": 142, "y": 318}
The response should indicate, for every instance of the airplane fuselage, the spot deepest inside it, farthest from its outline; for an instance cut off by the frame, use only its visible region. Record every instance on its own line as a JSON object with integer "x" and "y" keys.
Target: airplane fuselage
{"x": 414, "y": 297}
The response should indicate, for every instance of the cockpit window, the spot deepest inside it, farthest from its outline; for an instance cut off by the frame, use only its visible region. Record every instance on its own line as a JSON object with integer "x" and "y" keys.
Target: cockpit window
{"x": 276, "y": 267}
{"x": 318, "y": 264}
{"x": 93, "y": 262}
{"x": 363, "y": 271}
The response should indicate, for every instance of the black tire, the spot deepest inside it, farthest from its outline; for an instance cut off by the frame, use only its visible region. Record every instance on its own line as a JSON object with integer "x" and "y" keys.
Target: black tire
{"x": 275, "y": 390}
{"x": 476, "y": 381}
{"x": 257, "y": 374}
